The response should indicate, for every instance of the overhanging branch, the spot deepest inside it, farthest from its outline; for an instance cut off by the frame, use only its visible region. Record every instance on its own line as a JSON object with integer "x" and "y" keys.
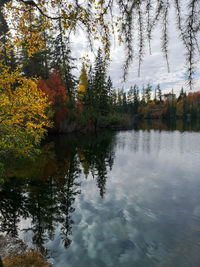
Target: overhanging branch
{"x": 33, "y": 4}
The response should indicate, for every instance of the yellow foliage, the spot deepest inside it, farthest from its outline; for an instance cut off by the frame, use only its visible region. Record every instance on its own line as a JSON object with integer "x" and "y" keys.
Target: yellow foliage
{"x": 81, "y": 91}
{"x": 23, "y": 116}
{"x": 22, "y": 17}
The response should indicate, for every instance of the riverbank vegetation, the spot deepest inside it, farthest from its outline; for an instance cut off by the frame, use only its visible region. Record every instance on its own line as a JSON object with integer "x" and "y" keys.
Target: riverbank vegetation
{"x": 147, "y": 103}
{"x": 31, "y": 258}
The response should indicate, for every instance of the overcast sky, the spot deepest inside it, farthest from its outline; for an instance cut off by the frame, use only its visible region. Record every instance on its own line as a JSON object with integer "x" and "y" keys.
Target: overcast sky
{"x": 154, "y": 67}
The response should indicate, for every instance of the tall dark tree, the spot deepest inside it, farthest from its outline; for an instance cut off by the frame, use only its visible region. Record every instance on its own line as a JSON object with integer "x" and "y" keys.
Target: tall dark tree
{"x": 110, "y": 90}
{"x": 62, "y": 59}
{"x": 101, "y": 90}
{"x": 36, "y": 65}
{"x": 159, "y": 93}
{"x": 143, "y": 96}
{"x": 135, "y": 99}
{"x": 148, "y": 93}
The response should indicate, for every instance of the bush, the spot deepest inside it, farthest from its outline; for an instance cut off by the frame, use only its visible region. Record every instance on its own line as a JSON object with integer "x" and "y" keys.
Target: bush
{"x": 29, "y": 259}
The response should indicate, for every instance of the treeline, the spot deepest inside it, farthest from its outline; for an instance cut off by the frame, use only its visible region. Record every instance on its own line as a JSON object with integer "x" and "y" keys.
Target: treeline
{"x": 153, "y": 104}
{"x": 87, "y": 102}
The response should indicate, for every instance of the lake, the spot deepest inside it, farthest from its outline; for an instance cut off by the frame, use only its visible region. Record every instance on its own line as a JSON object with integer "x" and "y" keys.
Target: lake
{"x": 127, "y": 198}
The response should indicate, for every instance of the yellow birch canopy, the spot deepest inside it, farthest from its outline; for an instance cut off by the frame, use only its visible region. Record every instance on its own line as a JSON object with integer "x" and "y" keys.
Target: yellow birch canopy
{"x": 23, "y": 113}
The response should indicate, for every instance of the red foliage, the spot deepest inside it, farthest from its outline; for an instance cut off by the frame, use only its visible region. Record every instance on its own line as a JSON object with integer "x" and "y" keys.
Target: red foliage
{"x": 193, "y": 98}
{"x": 54, "y": 88}
{"x": 57, "y": 95}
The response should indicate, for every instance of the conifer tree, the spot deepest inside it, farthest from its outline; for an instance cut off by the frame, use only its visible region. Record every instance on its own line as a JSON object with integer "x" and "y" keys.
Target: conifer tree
{"x": 155, "y": 95}
{"x": 36, "y": 65}
{"x": 130, "y": 96}
{"x": 124, "y": 102}
{"x": 136, "y": 100}
{"x": 143, "y": 96}
{"x": 148, "y": 93}
{"x": 99, "y": 85}
{"x": 110, "y": 91}
{"x": 159, "y": 93}
{"x": 182, "y": 94}
{"x": 62, "y": 59}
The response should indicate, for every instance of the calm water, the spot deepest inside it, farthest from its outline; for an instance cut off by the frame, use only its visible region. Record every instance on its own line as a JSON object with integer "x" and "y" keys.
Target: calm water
{"x": 119, "y": 199}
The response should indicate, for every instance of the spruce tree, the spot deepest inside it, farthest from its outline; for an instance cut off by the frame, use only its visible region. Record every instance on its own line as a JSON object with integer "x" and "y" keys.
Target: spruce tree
{"x": 148, "y": 93}
{"x": 36, "y": 65}
{"x": 130, "y": 100}
{"x": 155, "y": 95}
{"x": 136, "y": 100}
{"x": 182, "y": 95}
{"x": 110, "y": 91}
{"x": 143, "y": 102}
{"x": 62, "y": 59}
{"x": 124, "y": 102}
{"x": 159, "y": 93}
{"x": 100, "y": 88}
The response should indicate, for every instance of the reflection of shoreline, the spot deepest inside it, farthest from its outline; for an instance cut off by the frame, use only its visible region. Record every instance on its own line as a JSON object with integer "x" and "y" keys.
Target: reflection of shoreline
{"x": 44, "y": 191}
{"x": 164, "y": 125}
{"x": 146, "y": 138}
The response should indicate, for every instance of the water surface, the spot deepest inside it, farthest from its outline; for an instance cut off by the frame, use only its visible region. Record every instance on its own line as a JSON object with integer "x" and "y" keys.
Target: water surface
{"x": 130, "y": 198}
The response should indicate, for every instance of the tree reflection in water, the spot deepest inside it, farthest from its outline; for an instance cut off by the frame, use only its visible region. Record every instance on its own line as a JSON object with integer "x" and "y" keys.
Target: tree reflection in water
{"x": 43, "y": 192}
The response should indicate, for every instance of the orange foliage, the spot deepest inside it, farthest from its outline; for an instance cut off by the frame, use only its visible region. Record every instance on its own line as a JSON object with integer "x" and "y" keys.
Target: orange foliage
{"x": 57, "y": 95}
{"x": 193, "y": 98}
{"x": 54, "y": 88}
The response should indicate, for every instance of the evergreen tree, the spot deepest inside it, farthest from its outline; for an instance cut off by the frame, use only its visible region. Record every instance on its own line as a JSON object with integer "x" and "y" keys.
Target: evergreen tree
{"x": 99, "y": 95}
{"x": 100, "y": 88}
{"x": 36, "y": 65}
{"x": 148, "y": 93}
{"x": 110, "y": 91}
{"x": 136, "y": 100}
{"x": 182, "y": 95}
{"x": 89, "y": 99}
{"x": 159, "y": 93}
{"x": 114, "y": 99}
{"x": 130, "y": 96}
{"x": 62, "y": 59}
{"x": 143, "y": 96}
{"x": 119, "y": 99}
{"x": 155, "y": 95}
{"x": 124, "y": 102}
{"x": 130, "y": 100}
